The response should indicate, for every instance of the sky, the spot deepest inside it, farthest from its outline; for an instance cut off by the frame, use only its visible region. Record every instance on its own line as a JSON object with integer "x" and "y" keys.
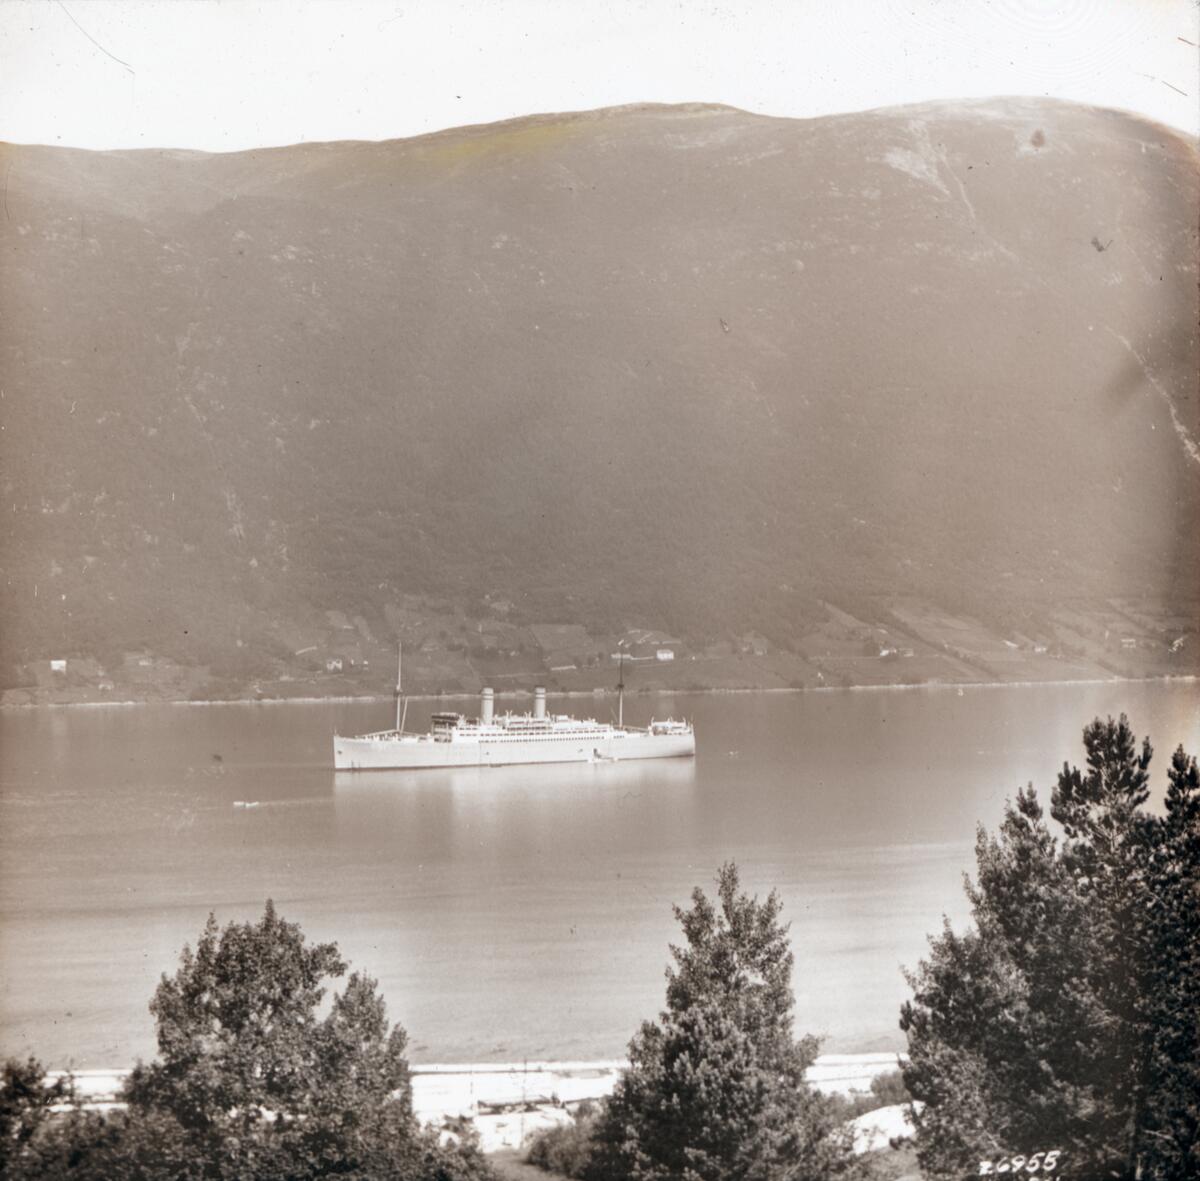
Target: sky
{"x": 222, "y": 75}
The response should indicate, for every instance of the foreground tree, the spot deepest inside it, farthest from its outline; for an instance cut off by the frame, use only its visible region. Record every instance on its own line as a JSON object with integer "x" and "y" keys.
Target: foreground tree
{"x": 266, "y": 1086}
{"x": 87, "y": 1146}
{"x": 1170, "y": 1139}
{"x": 254, "y": 1084}
{"x": 1066, "y": 1020}
{"x": 25, "y": 1103}
{"x": 715, "y": 1090}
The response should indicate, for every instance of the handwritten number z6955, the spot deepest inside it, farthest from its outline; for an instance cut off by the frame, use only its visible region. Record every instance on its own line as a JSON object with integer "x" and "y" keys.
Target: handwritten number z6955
{"x": 1039, "y": 1162}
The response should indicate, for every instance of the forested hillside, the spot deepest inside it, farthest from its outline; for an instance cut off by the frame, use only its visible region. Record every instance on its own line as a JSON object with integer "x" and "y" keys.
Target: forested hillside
{"x": 675, "y": 367}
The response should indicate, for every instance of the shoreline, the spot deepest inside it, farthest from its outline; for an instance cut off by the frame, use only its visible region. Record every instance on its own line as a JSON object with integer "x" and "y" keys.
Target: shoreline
{"x": 829, "y": 1072}
{"x": 589, "y": 694}
{"x": 508, "y": 1102}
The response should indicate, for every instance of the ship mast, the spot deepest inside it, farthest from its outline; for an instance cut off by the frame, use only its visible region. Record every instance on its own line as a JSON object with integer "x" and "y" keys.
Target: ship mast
{"x": 400, "y": 686}
{"x": 621, "y": 691}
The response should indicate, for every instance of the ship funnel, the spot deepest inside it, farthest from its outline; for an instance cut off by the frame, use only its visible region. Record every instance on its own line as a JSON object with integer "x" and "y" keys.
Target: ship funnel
{"x": 539, "y": 702}
{"x": 486, "y": 707}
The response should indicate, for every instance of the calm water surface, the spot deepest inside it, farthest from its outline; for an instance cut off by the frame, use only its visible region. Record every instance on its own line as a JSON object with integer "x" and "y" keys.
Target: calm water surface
{"x": 517, "y": 912}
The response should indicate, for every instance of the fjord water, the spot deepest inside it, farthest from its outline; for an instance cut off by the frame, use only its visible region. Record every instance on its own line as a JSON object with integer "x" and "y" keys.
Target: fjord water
{"x": 518, "y": 912}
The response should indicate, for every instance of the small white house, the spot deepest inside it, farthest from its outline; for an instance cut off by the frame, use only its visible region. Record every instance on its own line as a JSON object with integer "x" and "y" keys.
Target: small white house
{"x": 58, "y": 666}
{"x": 664, "y": 654}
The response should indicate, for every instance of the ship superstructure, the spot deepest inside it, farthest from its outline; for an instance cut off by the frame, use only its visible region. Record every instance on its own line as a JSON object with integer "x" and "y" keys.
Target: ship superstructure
{"x": 498, "y": 740}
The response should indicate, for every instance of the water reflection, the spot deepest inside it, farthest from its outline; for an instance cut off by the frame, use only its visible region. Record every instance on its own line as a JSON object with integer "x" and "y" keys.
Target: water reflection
{"x": 523, "y": 814}
{"x": 497, "y": 782}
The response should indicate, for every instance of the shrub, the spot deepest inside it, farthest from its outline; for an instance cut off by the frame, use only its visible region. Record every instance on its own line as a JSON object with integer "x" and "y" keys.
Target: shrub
{"x": 566, "y": 1149}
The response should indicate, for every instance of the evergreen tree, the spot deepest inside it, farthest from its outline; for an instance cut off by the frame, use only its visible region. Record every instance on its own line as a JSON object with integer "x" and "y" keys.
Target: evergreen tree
{"x": 715, "y": 1090}
{"x": 1170, "y": 1143}
{"x": 1066, "y": 1019}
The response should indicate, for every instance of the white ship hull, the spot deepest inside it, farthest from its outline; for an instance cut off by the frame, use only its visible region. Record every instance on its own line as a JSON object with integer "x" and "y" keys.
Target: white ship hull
{"x": 391, "y": 752}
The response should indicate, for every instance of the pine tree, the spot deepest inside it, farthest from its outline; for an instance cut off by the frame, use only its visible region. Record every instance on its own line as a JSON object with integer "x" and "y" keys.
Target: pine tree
{"x": 1170, "y": 1141}
{"x": 715, "y": 1090}
{"x": 1065, "y": 1019}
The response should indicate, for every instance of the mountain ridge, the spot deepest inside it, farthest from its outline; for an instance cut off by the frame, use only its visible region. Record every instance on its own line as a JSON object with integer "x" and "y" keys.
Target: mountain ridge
{"x": 680, "y": 367}
{"x": 941, "y": 108}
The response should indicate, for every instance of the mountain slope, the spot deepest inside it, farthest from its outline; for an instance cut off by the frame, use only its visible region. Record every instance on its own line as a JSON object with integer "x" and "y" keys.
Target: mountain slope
{"x": 687, "y": 367}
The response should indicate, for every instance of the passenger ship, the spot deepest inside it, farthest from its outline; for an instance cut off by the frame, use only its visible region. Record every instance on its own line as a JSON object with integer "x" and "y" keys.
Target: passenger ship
{"x": 501, "y": 740}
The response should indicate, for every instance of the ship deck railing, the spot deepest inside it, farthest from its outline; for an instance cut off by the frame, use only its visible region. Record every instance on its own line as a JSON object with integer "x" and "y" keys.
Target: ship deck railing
{"x": 669, "y": 726}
